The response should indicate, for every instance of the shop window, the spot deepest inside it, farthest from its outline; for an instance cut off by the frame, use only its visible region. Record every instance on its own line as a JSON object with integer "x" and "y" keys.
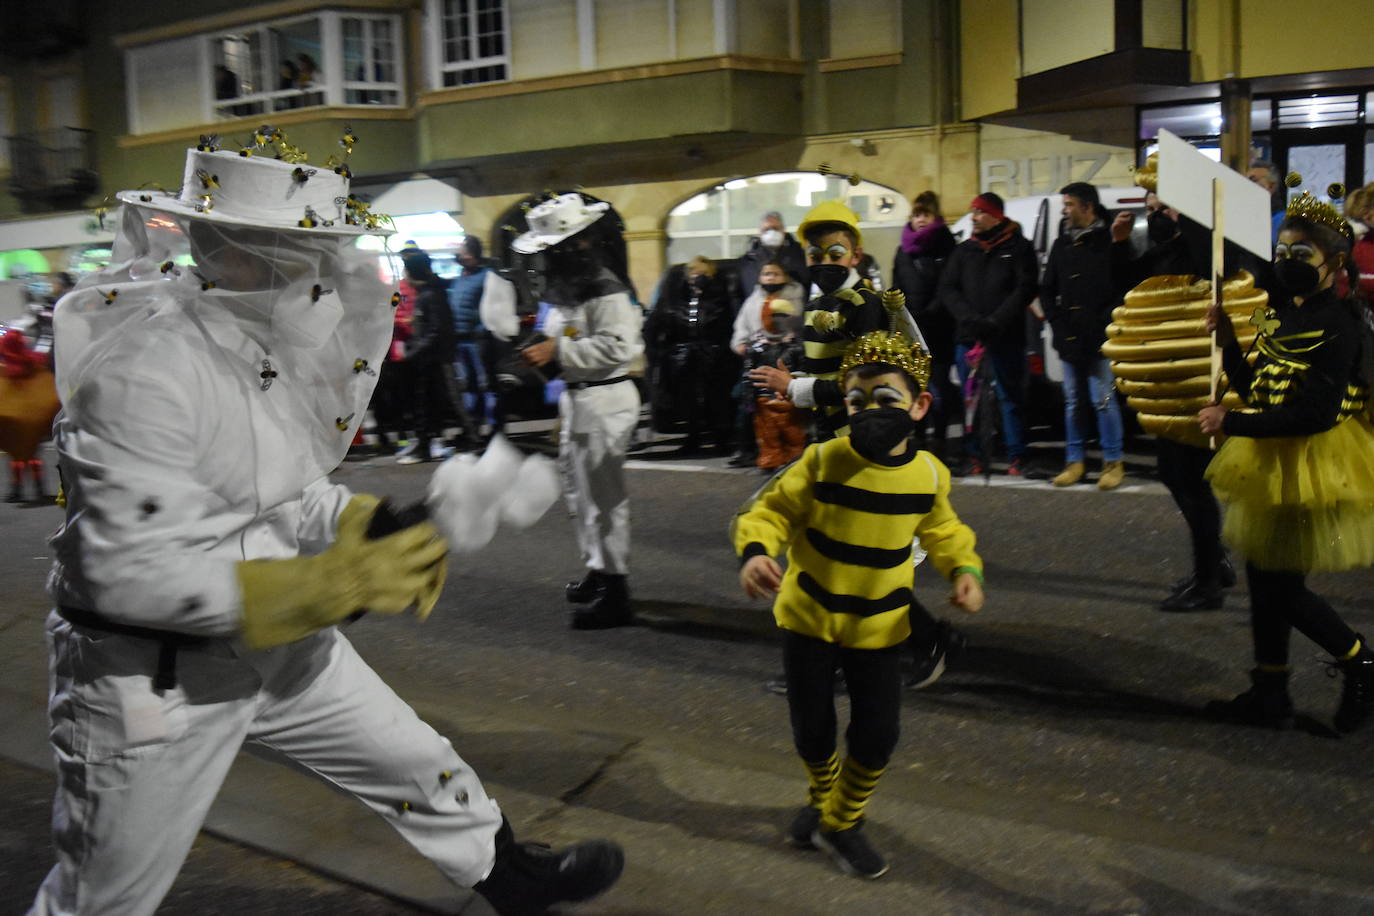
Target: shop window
{"x": 721, "y": 222}
{"x": 1318, "y": 111}
{"x": 474, "y": 43}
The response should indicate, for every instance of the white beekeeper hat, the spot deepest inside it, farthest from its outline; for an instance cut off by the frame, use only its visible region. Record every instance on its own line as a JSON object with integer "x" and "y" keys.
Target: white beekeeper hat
{"x": 553, "y": 220}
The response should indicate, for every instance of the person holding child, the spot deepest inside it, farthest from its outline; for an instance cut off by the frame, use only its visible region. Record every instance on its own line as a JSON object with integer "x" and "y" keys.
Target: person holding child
{"x": 846, "y": 514}
{"x": 779, "y": 426}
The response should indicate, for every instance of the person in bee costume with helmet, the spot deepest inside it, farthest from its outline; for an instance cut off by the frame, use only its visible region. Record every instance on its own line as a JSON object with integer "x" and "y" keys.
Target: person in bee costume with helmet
{"x": 592, "y": 334}
{"x": 211, "y": 377}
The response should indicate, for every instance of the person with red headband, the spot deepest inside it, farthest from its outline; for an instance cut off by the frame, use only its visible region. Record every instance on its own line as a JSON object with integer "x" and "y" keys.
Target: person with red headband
{"x": 989, "y": 281}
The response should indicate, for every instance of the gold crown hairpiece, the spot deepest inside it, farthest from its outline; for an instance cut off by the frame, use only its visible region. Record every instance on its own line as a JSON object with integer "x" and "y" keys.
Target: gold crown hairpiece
{"x": 1315, "y": 210}
{"x": 1147, "y": 175}
{"x": 891, "y": 347}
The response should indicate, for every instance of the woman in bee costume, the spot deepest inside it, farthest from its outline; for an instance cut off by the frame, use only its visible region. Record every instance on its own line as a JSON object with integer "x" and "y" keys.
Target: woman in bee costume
{"x": 1294, "y": 472}
{"x": 211, "y": 378}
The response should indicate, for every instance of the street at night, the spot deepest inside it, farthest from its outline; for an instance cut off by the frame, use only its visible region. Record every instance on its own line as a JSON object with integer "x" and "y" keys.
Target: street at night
{"x": 1063, "y": 764}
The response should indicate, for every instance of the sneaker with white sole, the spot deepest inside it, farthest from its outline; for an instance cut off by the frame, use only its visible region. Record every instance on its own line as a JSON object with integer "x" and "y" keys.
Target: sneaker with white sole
{"x": 851, "y": 851}
{"x": 805, "y": 822}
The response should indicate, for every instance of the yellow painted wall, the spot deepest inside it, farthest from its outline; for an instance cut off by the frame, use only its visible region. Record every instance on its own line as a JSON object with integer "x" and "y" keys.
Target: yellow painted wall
{"x": 764, "y": 28}
{"x": 1278, "y": 38}
{"x": 543, "y": 38}
{"x": 989, "y": 57}
{"x": 696, "y": 30}
{"x": 1059, "y": 32}
{"x": 859, "y": 28}
{"x": 630, "y": 32}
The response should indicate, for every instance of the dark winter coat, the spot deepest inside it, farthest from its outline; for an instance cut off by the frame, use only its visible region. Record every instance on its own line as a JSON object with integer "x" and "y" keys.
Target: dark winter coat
{"x": 986, "y": 286}
{"x": 918, "y": 277}
{"x": 789, "y": 255}
{"x": 433, "y": 340}
{"x": 1078, "y": 294}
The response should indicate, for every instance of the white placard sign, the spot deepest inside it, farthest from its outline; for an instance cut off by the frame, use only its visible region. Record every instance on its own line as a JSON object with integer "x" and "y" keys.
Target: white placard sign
{"x": 1185, "y": 183}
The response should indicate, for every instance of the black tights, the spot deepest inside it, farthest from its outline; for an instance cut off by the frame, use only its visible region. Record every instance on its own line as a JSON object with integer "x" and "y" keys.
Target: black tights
{"x": 874, "y": 680}
{"x": 1181, "y": 468}
{"x": 1280, "y": 602}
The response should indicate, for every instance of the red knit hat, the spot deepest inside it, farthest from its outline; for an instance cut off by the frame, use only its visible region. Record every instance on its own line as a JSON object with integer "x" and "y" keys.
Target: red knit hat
{"x": 990, "y": 204}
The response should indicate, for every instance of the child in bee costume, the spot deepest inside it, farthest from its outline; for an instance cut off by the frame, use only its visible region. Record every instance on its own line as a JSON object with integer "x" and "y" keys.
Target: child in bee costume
{"x": 846, "y": 514}
{"x": 211, "y": 378}
{"x": 1294, "y": 472}
{"x": 593, "y": 333}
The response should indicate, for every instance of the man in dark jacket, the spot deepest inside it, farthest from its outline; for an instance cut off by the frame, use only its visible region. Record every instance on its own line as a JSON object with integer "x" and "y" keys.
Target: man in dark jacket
{"x": 986, "y": 286}
{"x": 773, "y": 243}
{"x": 1078, "y": 295}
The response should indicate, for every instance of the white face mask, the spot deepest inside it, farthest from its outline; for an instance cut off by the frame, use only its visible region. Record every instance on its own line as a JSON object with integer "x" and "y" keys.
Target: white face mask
{"x": 771, "y": 238}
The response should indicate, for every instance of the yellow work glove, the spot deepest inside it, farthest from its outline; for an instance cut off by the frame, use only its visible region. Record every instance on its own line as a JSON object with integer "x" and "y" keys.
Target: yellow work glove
{"x": 287, "y": 600}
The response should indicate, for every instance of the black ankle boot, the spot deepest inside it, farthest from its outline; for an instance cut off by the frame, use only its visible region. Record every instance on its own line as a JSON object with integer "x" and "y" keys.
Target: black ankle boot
{"x": 1266, "y": 704}
{"x": 1357, "y": 696}
{"x": 587, "y": 589}
{"x": 528, "y": 878}
{"x": 610, "y": 609}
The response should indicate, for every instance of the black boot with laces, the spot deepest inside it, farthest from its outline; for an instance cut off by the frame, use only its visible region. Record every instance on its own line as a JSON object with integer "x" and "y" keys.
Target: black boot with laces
{"x": 1357, "y": 697}
{"x": 528, "y": 878}
{"x": 587, "y": 589}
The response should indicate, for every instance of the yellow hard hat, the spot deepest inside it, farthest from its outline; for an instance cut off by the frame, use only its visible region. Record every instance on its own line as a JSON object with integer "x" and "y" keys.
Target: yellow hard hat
{"x": 832, "y": 211}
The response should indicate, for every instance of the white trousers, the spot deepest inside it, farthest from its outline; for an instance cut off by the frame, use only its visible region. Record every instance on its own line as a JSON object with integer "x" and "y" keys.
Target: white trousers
{"x": 137, "y": 771}
{"x": 597, "y": 425}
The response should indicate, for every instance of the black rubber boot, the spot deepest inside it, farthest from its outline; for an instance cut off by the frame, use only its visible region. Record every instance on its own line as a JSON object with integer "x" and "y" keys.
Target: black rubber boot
{"x": 610, "y": 609}
{"x": 1357, "y": 697}
{"x": 587, "y": 589}
{"x": 1266, "y": 704}
{"x": 528, "y": 878}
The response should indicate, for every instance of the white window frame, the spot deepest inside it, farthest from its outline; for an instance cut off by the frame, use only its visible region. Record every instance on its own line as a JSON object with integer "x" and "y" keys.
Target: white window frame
{"x": 438, "y": 67}
{"x": 397, "y": 39}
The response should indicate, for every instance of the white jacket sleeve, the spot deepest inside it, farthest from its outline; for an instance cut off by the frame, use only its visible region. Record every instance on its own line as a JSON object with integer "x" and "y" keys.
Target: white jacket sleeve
{"x": 748, "y": 321}
{"x": 612, "y": 337}
{"x": 144, "y": 522}
{"x": 497, "y": 311}
{"x": 321, "y": 504}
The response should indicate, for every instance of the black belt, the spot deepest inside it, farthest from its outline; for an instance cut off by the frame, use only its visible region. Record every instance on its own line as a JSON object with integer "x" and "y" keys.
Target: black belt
{"x": 578, "y": 386}
{"x": 166, "y": 676}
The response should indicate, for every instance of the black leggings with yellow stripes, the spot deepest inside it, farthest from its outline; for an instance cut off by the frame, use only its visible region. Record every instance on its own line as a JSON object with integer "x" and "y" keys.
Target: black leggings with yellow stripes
{"x": 874, "y": 680}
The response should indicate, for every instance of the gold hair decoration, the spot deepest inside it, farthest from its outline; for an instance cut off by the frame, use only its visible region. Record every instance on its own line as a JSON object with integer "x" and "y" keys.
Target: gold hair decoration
{"x": 1147, "y": 176}
{"x": 1316, "y": 210}
{"x": 891, "y": 347}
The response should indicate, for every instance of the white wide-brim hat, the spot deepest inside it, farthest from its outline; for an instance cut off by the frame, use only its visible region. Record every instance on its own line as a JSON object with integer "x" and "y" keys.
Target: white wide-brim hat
{"x": 553, "y": 220}
{"x": 222, "y": 186}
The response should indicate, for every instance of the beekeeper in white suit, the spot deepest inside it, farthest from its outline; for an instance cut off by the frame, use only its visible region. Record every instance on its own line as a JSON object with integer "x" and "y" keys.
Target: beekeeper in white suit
{"x": 211, "y": 378}
{"x": 593, "y": 333}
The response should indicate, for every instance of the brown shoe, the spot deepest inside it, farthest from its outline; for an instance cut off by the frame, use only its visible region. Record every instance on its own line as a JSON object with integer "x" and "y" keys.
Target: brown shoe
{"x": 1072, "y": 474}
{"x": 1113, "y": 472}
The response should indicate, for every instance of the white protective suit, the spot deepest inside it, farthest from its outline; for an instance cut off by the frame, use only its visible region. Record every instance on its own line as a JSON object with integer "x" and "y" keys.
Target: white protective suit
{"x": 597, "y": 340}
{"x": 197, "y": 431}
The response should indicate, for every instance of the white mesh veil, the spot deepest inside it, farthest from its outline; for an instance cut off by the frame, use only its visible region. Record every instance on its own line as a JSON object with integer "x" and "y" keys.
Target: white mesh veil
{"x": 312, "y": 301}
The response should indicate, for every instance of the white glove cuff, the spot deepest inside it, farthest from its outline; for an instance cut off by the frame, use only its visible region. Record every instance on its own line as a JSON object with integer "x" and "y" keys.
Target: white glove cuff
{"x": 800, "y": 392}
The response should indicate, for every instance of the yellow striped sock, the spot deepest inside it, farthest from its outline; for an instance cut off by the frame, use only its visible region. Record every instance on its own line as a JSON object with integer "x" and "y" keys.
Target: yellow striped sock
{"x": 822, "y": 776}
{"x": 845, "y": 804}
{"x": 1354, "y": 651}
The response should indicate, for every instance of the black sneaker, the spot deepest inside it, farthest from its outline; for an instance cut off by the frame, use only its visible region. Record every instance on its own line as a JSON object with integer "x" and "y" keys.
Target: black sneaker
{"x": 1196, "y": 597}
{"x": 930, "y": 662}
{"x": 528, "y": 878}
{"x": 851, "y": 851}
{"x": 806, "y": 822}
{"x": 610, "y": 609}
{"x": 586, "y": 589}
{"x": 1265, "y": 705}
{"x": 1357, "y": 696}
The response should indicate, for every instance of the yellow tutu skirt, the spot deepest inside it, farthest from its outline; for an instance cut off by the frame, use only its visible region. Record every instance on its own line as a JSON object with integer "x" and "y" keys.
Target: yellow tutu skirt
{"x": 1300, "y": 504}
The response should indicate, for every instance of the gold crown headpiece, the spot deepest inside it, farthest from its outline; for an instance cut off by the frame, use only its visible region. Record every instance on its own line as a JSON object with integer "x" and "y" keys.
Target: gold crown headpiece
{"x": 1314, "y": 209}
{"x": 892, "y": 347}
{"x": 1147, "y": 175}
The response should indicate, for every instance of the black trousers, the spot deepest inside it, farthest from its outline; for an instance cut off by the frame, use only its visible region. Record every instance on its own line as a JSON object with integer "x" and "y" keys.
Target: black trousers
{"x": 1281, "y": 602}
{"x": 1181, "y": 468}
{"x": 874, "y": 679}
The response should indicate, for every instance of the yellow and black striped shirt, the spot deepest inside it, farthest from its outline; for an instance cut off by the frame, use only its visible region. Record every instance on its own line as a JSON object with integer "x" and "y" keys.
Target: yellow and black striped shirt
{"x": 847, "y": 524}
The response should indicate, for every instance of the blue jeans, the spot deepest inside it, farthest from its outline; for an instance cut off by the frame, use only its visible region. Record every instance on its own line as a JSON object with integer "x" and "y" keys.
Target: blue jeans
{"x": 478, "y": 397}
{"x": 1102, "y": 391}
{"x": 1008, "y": 371}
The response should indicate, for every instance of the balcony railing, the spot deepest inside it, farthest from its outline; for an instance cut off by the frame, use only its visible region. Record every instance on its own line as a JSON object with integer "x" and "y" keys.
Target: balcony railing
{"x": 53, "y": 169}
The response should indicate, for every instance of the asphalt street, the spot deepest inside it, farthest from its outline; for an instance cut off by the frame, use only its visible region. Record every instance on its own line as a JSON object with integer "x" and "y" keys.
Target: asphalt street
{"x": 1063, "y": 765}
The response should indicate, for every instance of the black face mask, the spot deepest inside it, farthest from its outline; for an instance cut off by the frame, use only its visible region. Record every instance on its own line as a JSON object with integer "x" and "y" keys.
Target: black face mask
{"x": 1160, "y": 227}
{"x": 828, "y": 277}
{"x": 875, "y": 432}
{"x": 771, "y": 288}
{"x": 1298, "y": 278}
